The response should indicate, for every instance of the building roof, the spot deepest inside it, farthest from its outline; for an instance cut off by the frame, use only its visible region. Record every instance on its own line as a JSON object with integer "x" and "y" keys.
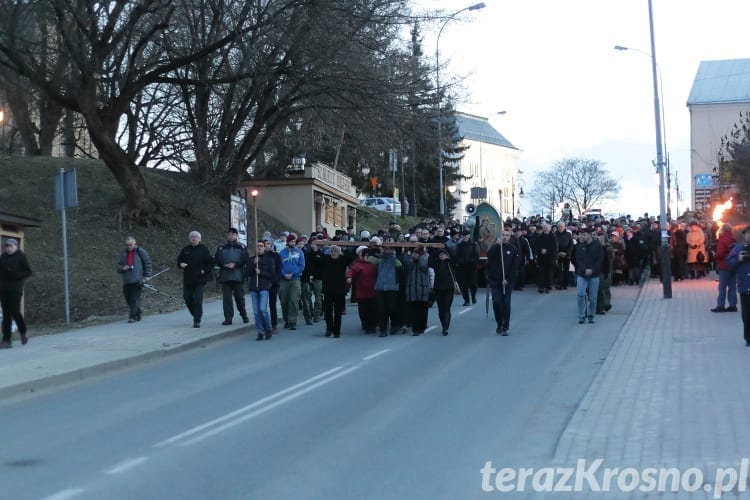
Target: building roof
{"x": 478, "y": 128}
{"x": 725, "y": 81}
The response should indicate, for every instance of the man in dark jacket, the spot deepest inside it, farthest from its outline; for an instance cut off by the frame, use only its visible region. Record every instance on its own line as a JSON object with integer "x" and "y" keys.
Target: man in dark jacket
{"x": 14, "y": 269}
{"x": 332, "y": 270}
{"x": 502, "y": 273}
{"x": 231, "y": 257}
{"x": 588, "y": 259}
{"x": 135, "y": 266}
{"x": 262, "y": 270}
{"x": 466, "y": 259}
{"x": 564, "y": 252}
{"x": 197, "y": 265}
{"x": 546, "y": 253}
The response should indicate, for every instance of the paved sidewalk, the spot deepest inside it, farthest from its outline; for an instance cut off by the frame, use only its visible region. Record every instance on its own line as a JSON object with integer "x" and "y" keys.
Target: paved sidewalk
{"x": 49, "y": 360}
{"x": 673, "y": 392}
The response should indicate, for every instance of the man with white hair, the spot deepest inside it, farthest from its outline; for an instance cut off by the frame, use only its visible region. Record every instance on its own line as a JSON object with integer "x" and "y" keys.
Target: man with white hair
{"x": 196, "y": 263}
{"x": 135, "y": 266}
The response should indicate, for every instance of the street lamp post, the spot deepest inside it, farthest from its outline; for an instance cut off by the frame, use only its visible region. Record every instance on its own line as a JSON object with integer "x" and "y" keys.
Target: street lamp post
{"x": 476, "y": 6}
{"x": 666, "y": 273}
{"x": 254, "y": 194}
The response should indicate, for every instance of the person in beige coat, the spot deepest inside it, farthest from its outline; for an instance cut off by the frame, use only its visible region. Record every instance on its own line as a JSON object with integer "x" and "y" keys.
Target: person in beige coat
{"x": 696, "y": 256}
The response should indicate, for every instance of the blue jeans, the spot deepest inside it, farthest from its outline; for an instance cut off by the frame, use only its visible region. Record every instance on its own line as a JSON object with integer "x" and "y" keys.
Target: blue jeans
{"x": 727, "y": 288}
{"x": 593, "y": 286}
{"x": 259, "y": 299}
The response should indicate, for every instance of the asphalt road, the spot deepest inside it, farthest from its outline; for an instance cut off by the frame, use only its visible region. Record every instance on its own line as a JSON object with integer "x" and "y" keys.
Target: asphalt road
{"x": 303, "y": 416}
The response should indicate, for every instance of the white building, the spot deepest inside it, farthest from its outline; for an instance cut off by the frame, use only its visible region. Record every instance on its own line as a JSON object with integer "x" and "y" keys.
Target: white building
{"x": 490, "y": 162}
{"x": 721, "y": 90}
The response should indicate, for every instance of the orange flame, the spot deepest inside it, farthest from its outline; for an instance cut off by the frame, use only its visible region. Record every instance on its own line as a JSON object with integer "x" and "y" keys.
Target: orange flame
{"x": 721, "y": 208}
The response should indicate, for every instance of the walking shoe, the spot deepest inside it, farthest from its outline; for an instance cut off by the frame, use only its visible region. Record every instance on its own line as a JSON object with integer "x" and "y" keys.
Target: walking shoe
{"x": 308, "y": 322}
{"x": 591, "y": 319}
{"x": 466, "y": 303}
{"x": 499, "y": 330}
{"x": 383, "y": 334}
{"x": 581, "y": 320}
{"x": 730, "y": 309}
{"x": 274, "y": 330}
{"x": 445, "y": 332}
{"x": 337, "y": 335}
{"x": 292, "y": 327}
{"x": 268, "y": 336}
{"x": 245, "y": 319}
{"x": 138, "y": 317}
{"x": 607, "y": 307}
{"x": 260, "y": 337}
{"x": 226, "y": 322}
{"x": 718, "y": 309}
{"x": 505, "y": 331}
{"x": 25, "y": 339}
{"x": 473, "y": 300}
{"x": 131, "y": 320}
{"x": 196, "y": 324}
{"x": 328, "y": 333}
{"x": 286, "y": 325}
{"x": 5, "y": 345}
{"x": 601, "y": 312}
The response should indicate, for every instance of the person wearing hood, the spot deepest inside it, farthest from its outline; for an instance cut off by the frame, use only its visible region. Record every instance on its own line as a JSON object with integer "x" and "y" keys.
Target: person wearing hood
{"x": 14, "y": 269}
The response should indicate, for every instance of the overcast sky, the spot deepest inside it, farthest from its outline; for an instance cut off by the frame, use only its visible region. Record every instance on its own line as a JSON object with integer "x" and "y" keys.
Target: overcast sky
{"x": 552, "y": 66}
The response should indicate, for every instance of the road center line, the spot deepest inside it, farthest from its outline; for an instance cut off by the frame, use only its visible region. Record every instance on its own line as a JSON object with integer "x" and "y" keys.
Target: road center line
{"x": 239, "y": 411}
{"x": 375, "y": 355}
{"x": 269, "y": 407}
{"x": 126, "y": 465}
{"x": 65, "y": 494}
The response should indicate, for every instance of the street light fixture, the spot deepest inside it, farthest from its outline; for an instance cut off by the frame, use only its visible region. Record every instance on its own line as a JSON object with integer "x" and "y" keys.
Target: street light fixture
{"x": 622, "y": 48}
{"x": 476, "y": 6}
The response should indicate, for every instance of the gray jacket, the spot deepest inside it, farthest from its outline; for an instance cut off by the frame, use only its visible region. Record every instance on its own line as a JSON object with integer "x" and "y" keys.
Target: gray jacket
{"x": 140, "y": 269}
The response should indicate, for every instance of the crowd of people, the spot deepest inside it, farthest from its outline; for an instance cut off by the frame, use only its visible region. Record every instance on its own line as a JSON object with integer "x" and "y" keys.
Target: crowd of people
{"x": 396, "y": 276}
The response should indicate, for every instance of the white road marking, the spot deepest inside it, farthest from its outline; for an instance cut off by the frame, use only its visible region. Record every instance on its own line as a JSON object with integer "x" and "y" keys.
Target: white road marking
{"x": 65, "y": 494}
{"x": 126, "y": 465}
{"x": 244, "y": 409}
{"x": 430, "y": 328}
{"x": 371, "y": 356}
{"x": 464, "y": 311}
{"x": 271, "y": 406}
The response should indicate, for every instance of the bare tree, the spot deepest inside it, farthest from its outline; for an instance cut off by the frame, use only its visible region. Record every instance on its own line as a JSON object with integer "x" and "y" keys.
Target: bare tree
{"x": 116, "y": 49}
{"x": 582, "y": 182}
{"x": 734, "y": 158}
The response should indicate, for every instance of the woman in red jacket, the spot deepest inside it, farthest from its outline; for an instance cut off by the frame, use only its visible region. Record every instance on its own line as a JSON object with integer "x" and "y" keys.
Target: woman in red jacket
{"x": 362, "y": 275}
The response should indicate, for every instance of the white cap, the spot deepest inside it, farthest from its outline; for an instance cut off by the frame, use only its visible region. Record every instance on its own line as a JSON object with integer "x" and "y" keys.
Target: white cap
{"x": 361, "y": 249}
{"x": 376, "y": 240}
{"x": 364, "y": 234}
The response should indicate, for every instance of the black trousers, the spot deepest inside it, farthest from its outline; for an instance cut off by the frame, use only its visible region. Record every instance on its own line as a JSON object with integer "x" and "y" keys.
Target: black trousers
{"x": 444, "y": 300}
{"x": 132, "y": 292}
{"x": 544, "y": 273}
{"x": 333, "y": 307}
{"x": 418, "y": 313}
{"x": 501, "y": 303}
{"x": 11, "y": 307}
{"x": 563, "y": 271}
{"x": 233, "y": 290}
{"x": 193, "y": 296}
{"x": 387, "y": 309}
{"x": 368, "y": 314}
{"x": 744, "y": 303}
{"x": 467, "y": 282}
{"x": 273, "y": 299}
